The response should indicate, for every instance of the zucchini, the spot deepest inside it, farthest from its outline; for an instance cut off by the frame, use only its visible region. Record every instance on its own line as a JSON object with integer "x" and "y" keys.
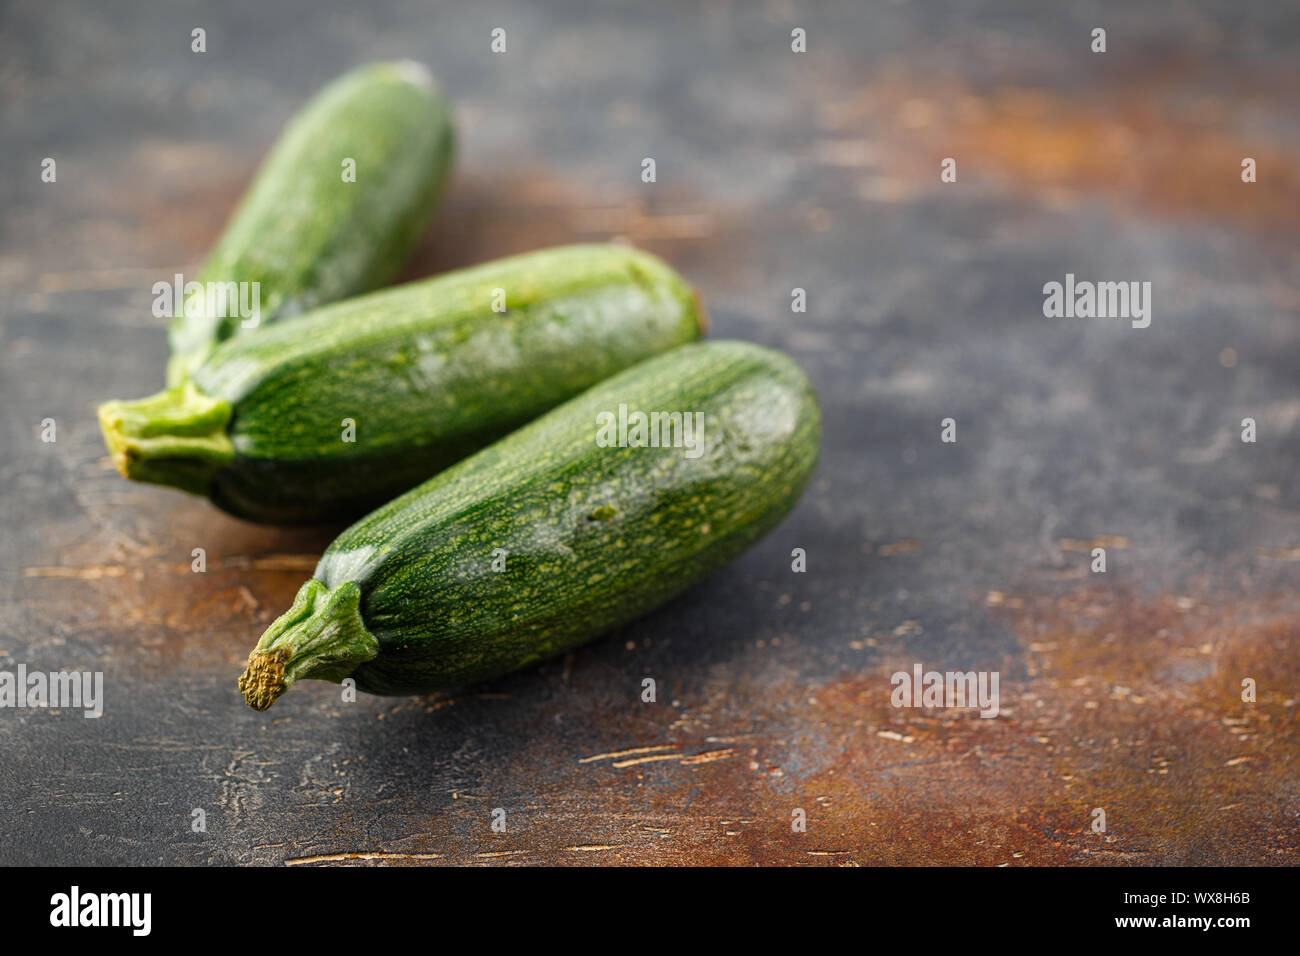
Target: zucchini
{"x": 414, "y": 597}
{"x": 329, "y": 414}
{"x": 307, "y": 236}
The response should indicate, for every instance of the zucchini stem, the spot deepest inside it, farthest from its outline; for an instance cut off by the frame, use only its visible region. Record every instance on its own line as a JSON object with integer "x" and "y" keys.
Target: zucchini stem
{"x": 176, "y": 437}
{"x": 701, "y": 313}
{"x": 321, "y": 637}
{"x": 181, "y": 364}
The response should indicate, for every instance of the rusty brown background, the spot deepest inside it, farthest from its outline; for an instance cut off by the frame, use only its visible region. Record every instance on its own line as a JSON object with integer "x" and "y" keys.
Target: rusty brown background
{"x": 775, "y": 170}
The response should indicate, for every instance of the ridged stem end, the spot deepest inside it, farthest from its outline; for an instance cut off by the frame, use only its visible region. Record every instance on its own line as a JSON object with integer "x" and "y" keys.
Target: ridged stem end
{"x": 263, "y": 679}
{"x": 176, "y": 437}
{"x": 321, "y": 637}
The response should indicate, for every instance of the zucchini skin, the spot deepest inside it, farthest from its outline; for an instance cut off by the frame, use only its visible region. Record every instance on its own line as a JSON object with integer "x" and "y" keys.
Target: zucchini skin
{"x": 428, "y": 372}
{"x": 594, "y": 536}
{"x": 307, "y": 236}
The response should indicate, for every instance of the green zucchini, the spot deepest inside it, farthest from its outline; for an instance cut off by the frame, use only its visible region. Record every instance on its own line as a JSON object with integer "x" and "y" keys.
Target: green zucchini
{"x": 329, "y": 414}
{"x": 302, "y": 232}
{"x": 549, "y": 537}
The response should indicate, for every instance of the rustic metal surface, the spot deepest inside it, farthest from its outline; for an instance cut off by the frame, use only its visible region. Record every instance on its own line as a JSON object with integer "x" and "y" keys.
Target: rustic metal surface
{"x": 775, "y": 170}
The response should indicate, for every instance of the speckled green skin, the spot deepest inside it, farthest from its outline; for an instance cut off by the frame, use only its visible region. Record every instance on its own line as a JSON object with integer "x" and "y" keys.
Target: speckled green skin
{"x": 595, "y": 536}
{"x": 428, "y": 372}
{"x": 307, "y": 236}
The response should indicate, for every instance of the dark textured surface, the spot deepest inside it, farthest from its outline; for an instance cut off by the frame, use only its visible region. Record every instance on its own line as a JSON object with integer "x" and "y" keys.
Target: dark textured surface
{"x": 775, "y": 170}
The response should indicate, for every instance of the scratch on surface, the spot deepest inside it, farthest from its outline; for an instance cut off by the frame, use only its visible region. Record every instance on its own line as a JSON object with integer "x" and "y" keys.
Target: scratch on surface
{"x": 628, "y": 753}
{"x": 1212, "y": 452}
{"x": 247, "y": 599}
{"x": 1100, "y": 541}
{"x": 1279, "y": 554}
{"x": 686, "y": 760}
{"x": 636, "y": 760}
{"x": 93, "y": 573}
{"x": 344, "y": 857}
{"x": 633, "y": 221}
{"x": 899, "y": 547}
{"x": 708, "y": 756}
{"x": 271, "y": 562}
{"x": 895, "y": 735}
{"x": 1119, "y": 854}
{"x": 495, "y": 853}
{"x": 593, "y": 847}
